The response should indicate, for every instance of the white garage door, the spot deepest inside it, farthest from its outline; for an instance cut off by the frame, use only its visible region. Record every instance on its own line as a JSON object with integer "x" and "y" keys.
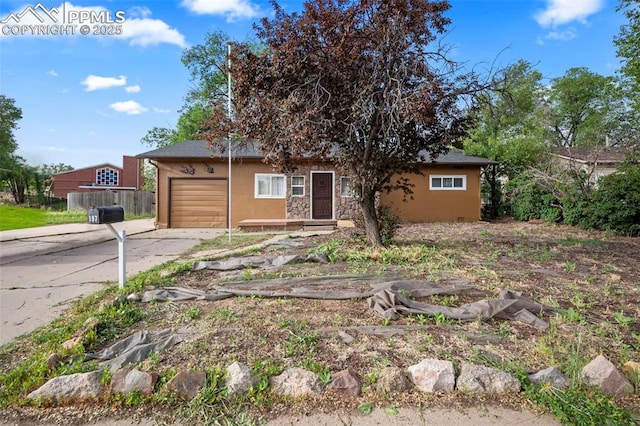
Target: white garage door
{"x": 198, "y": 203}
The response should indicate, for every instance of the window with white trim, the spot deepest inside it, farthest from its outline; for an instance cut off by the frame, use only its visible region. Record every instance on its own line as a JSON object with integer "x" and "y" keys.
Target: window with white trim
{"x": 297, "y": 186}
{"x": 270, "y": 186}
{"x": 448, "y": 182}
{"x": 345, "y": 187}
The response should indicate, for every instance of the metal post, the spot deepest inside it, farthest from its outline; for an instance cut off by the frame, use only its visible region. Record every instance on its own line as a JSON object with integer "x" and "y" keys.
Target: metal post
{"x": 229, "y": 135}
{"x": 122, "y": 264}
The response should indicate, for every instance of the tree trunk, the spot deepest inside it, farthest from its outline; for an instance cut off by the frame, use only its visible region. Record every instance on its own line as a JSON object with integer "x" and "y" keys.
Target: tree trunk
{"x": 17, "y": 190}
{"x": 370, "y": 220}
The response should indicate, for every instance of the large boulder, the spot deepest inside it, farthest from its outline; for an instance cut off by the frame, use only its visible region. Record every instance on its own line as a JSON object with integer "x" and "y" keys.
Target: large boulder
{"x": 77, "y": 386}
{"x": 478, "y": 378}
{"x": 187, "y": 383}
{"x": 601, "y": 373}
{"x": 432, "y": 375}
{"x": 239, "y": 378}
{"x": 296, "y": 382}
{"x": 346, "y": 382}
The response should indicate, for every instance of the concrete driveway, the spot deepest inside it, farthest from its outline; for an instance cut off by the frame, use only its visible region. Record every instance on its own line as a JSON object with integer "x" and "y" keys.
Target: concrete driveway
{"x": 42, "y": 270}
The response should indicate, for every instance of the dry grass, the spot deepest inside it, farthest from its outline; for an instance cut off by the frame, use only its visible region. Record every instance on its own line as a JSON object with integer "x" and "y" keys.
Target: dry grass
{"x": 591, "y": 278}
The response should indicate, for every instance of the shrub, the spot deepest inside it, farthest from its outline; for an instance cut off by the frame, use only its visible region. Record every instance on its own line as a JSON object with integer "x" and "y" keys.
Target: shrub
{"x": 527, "y": 200}
{"x": 616, "y": 203}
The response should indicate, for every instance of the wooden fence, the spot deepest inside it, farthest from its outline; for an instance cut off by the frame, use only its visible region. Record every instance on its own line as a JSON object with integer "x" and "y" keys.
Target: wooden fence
{"x": 135, "y": 203}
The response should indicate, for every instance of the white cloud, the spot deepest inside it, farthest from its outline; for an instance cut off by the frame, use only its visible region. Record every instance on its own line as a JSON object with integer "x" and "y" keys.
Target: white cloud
{"x": 139, "y": 12}
{"x": 148, "y": 32}
{"x": 566, "y": 35}
{"x": 161, "y": 111}
{"x": 94, "y": 82}
{"x": 52, "y": 73}
{"x": 560, "y": 12}
{"x": 132, "y": 89}
{"x": 128, "y": 107}
{"x": 232, "y": 9}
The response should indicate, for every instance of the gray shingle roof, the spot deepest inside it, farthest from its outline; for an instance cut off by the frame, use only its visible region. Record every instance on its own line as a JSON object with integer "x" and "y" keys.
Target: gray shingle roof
{"x": 198, "y": 149}
{"x": 613, "y": 154}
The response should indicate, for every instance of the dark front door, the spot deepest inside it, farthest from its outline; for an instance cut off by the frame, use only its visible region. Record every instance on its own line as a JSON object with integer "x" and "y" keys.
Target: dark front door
{"x": 322, "y": 202}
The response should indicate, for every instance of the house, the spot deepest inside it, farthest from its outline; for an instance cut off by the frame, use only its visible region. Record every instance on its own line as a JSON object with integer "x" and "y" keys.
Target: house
{"x": 192, "y": 189}
{"x": 596, "y": 162}
{"x": 100, "y": 177}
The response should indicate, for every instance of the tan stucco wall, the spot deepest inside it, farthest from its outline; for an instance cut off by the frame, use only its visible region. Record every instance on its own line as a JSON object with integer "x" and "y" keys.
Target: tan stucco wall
{"x": 244, "y": 205}
{"x": 439, "y": 205}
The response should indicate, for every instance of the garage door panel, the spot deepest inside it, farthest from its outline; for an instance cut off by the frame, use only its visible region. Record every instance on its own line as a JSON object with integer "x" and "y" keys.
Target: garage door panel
{"x": 198, "y": 203}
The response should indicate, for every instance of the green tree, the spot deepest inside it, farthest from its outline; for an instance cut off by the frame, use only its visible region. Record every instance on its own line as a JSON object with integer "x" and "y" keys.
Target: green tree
{"x": 363, "y": 80}
{"x": 207, "y": 65}
{"x": 628, "y": 45}
{"x": 10, "y": 114}
{"x": 585, "y": 109}
{"x": 18, "y": 177}
{"x": 43, "y": 182}
{"x": 508, "y": 129}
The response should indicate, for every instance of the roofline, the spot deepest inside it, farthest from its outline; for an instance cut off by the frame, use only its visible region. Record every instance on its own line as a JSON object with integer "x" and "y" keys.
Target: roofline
{"x": 90, "y": 167}
{"x": 583, "y": 161}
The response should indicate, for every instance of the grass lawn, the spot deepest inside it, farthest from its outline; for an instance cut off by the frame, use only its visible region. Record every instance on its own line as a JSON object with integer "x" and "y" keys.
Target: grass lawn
{"x": 21, "y": 217}
{"x": 12, "y": 217}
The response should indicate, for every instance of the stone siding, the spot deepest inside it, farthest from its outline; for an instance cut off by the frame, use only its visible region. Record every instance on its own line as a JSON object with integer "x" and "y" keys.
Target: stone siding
{"x": 299, "y": 207}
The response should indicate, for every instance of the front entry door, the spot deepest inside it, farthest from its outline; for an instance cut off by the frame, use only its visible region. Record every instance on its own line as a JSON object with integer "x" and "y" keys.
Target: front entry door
{"x": 322, "y": 198}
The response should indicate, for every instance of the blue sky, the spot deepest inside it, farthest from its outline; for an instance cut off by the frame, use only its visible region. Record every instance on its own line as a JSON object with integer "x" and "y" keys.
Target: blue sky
{"x": 89, "y": 99}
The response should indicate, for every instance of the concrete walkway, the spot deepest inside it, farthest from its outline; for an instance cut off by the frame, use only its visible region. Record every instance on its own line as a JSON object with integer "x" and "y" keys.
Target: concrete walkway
{"x": 43, "y": 270}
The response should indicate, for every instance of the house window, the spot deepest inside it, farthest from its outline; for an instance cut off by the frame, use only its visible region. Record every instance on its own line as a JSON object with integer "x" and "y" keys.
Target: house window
{"x": 270, "y": 186}
{"x": 107, "y": 176}
{"x": 345, "y": 187}
{"x": 448, "y": 183}
{"x": 297, "y": 186}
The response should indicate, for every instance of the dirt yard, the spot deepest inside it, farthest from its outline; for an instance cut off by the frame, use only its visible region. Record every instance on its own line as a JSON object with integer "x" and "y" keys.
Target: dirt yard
{"x": 589, "y": 280}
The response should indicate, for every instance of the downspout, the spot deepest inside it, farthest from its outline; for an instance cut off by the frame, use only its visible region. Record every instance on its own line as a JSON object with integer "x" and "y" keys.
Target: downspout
{"x": 155, "y": 222}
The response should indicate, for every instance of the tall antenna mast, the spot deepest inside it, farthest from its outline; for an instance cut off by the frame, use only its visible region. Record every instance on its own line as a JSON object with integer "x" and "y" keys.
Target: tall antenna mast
{"x": 229, "y": 134}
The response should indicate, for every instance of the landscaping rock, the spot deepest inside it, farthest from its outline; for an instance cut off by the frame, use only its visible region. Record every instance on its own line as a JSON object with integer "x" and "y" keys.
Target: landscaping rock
{"x": 345, "y": 337}
{"x": 478, "y": 378}
{"x": 53, "y": 361}
{"x": 134, "y": 297}
{"x": 392, "y": 381}
{"x": 79, "y": 335}
{"x": 432, "y": 375}
{"x": 346, "y": 382}
{"x": 74, "y": 386}
{"x": 601, "y": 373}
{"x": 187, "y": 383}
{"x": 239, "y": 379}
{"x": 296, "y": 382}
{"x": 132, "y": 380}
{"x": 552, "y": 376}
{"x": 631, "y": 370}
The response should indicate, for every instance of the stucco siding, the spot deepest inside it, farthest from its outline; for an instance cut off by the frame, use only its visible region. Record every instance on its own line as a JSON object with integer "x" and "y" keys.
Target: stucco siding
{"x": 439, "y": 205}
{"x": 244, "y": 204}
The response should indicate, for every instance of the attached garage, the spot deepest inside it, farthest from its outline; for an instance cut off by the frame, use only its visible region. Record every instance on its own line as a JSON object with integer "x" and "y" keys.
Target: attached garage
{"x": 198, "y": 203}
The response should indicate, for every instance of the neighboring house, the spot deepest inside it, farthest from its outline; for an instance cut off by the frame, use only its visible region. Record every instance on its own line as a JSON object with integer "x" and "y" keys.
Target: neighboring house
{"x": 191, "y": 189}
{"x": 596, "y": 162}
{"x": 100, "y": 177}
